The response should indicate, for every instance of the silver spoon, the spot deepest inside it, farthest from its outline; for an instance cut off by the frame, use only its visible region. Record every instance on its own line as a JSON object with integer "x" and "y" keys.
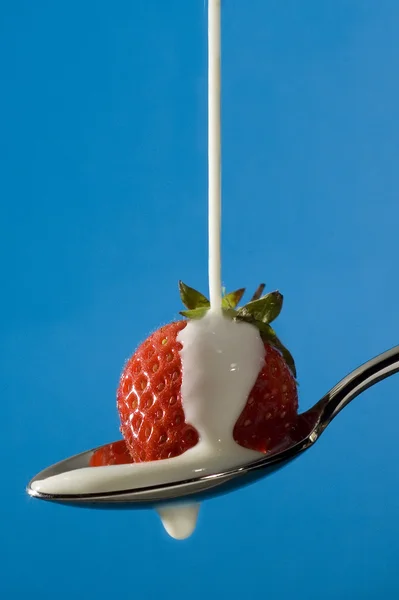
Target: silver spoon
{"x": 309, "y": 427}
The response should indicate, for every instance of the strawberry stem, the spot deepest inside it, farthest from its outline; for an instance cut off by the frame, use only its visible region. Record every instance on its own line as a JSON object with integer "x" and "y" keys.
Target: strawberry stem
{"x": 258, "y": 292}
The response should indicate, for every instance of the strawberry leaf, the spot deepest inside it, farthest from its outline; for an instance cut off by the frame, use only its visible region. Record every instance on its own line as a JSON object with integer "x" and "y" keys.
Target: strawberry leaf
{"x": 265, "y": 310}
{"x": 231, "y": 300}
{"x": 191, "y": 298}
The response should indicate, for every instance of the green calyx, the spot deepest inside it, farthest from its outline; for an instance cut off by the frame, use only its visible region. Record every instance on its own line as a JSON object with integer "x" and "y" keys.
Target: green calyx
{"x": 260, "y": 312}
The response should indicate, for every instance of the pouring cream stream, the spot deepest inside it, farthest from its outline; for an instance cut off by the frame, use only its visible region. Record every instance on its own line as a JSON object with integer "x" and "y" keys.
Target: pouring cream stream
{"x": 221, "y": 360}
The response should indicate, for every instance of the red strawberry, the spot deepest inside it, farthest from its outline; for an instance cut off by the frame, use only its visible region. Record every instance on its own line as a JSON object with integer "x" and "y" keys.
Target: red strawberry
{"x": 149, "y": 394}
{"x": 149, "y": 399}
{"x": 271, "y": 409}
{"x": 111, "y": 454}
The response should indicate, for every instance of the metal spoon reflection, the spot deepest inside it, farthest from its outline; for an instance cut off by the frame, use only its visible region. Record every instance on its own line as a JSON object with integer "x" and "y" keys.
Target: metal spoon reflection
{"x": 309, "y": 427}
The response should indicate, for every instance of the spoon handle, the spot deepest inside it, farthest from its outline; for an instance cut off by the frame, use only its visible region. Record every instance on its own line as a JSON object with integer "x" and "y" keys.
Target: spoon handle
{"x": 375, "y": 370}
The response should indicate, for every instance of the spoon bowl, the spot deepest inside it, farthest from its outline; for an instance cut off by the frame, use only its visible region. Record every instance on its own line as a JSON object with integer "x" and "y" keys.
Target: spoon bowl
{"x": 307, "y": 430}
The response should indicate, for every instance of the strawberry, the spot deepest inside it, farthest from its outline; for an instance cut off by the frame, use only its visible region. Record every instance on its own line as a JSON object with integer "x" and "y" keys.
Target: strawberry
{"x": 149, "y": 399}
{"x": 111, "y": 454}
{"x": 149, "y": 395}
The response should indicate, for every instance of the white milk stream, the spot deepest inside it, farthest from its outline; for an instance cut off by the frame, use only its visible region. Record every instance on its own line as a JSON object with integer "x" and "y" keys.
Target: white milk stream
{"x": 221, "y": 360}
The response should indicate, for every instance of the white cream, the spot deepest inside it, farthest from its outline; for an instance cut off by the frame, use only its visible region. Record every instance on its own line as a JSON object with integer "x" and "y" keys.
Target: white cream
{"x": 179, "y": 521}
{"x": 221, "y": 360}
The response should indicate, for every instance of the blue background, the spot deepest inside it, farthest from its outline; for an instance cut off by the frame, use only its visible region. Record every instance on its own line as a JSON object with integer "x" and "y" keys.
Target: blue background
{"x": 103, "y": 187}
